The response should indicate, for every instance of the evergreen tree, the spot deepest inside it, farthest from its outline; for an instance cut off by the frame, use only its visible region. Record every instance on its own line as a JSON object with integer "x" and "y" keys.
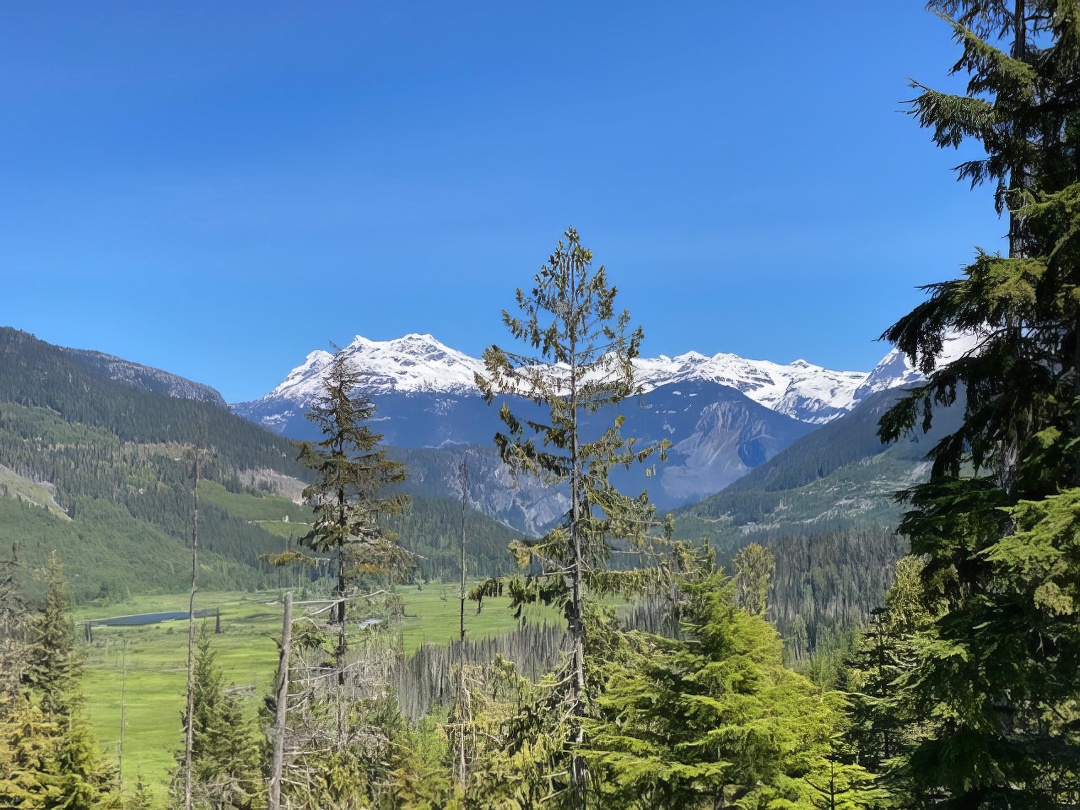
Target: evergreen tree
{"x": 13, "y": 645}
{"x": 997, "y": 670}
{"x": 880, "y": 731}
{"x": 29, "y": 771}
{"x": 344, "y": 730}
{"x": 54, "y": 667}
{"x": 142, "y": 798}
{"x": 585, "y": 348}
{"x": 225, "y": 752}
{"x": 349, "y": 496}
{"x": 754, "y": 566}
{"x": 48, "y": 755}
{"x": 714, "y": 719}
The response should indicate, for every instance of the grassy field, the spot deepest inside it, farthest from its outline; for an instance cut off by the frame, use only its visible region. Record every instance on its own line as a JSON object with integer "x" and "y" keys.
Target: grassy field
{"x": 154, "y": 658}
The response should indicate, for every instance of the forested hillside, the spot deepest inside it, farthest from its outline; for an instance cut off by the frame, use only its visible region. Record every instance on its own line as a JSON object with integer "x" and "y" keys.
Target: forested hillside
{"x": 431, "y": 528}
{"x": 826, "y": 507}
{"x": 840, "y": 476}
{"x": 102, "y": 473}
{"x": 109, "y": 468}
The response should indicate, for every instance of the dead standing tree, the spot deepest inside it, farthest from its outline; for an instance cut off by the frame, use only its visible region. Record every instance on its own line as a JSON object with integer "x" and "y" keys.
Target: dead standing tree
{"x": 334, "y": 743}
{"x": 189, "y": 729}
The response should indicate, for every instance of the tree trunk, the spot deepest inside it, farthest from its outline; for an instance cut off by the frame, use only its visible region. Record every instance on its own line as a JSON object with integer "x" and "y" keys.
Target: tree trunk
{"x": 282, "y": 706}
{"x": 1010, "y": 451}
{"x": 123, "y": 719}
{"x": 189, "y": 731}
{"x": 464, "y": 506}
{"x": 461, "y": 768}
{"x": 577, "y": 621}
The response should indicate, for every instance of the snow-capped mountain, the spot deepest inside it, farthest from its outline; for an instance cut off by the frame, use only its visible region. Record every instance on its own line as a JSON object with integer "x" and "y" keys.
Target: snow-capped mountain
{"x": 406, "y": 365}
{"x": 724, "y": 414}
{"x": 802, "y": 390}
{"x": 420, "y": 364}
{"x": 894, "y": 370}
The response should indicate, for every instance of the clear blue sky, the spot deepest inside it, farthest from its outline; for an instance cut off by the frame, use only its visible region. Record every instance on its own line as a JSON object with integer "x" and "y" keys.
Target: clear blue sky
{"x": 218, "y": 188}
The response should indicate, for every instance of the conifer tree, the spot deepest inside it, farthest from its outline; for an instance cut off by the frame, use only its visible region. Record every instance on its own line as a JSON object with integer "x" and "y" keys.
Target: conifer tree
{"x": 48, "y": 755}
{"x": 714, "y": 719}
{"x": 141, "y": 799}
{"x": 583, "y": 363}
{"x": 343, "y": 725}
{"x": 998, "y": 666}
{"x": 880, "y": 731}
{"x": 225, "y": 752}
{"x": 754, "y": 566}
{"x": 349, "y": 497}
{"x": 54, "y": 667}
{"x": 13, "y": 643}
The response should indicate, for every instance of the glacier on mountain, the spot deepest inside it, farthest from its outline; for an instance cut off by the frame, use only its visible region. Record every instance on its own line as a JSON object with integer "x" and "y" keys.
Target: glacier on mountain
{"x": 419, "y": 364}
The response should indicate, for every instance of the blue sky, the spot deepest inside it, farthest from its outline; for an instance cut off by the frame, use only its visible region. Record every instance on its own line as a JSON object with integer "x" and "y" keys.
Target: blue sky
{"x": 217, "y": 189}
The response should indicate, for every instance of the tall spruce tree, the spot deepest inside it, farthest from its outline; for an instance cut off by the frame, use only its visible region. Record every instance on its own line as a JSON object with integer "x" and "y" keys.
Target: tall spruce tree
{"x": 350, "y": 497}
{"x": 225, "y": 752}
{"x": 54, "y": 667}
{"x": 879, "y": 730}
{"x": 997, "y": 672}
{"x": 714, "y": 719}
{"x": 582, "y": 363}
{"x": 343, "y": 727}
{"x": 49, "y": 757}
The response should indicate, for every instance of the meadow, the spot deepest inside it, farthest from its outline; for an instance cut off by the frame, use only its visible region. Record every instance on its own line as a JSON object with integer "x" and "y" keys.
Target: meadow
{"x": 144, "y": 668}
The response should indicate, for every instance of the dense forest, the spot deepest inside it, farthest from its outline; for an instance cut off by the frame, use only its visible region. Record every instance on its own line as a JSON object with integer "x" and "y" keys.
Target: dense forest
{"x": 102, "y": 473}
{"x": 820, "y": 661}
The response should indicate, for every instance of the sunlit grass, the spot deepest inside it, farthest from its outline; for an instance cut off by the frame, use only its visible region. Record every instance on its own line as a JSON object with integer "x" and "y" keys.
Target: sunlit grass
{"x": 155, "y": 658}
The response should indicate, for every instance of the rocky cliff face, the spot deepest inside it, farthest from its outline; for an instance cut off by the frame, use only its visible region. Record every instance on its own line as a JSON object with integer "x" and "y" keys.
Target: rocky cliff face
{"x": 144, "y": 378}
{"x": 724, "y": 416}
{"x": 419, "y": 366}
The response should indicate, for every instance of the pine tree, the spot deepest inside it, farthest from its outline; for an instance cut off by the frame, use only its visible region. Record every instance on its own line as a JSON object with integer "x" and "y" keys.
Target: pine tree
{"x": 344, "y": 729}
{"x": 142, "y": 798}
{"x": 349, "y": 496}
{"x": 583, "y": 364}
{"x": 54, "y": 667}
{"x": 225, "y": 752}
{"x": 880, "y": 731}
{"x": 48, "y": 755}
{"x": 13, "y": 642}
{"x": 997, "y": 670}
{"x": 29, "y": 771}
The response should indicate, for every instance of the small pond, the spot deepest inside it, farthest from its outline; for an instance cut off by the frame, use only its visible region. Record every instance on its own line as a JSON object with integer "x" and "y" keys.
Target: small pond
{"x": 148, "y": 618}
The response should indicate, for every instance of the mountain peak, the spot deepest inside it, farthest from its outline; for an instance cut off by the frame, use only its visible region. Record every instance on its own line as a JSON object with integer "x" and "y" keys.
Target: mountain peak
{"x": 805, "y": 391}
{"x": 411, "y": 340}
{"x": 894, "y": 370}
{"x": 418, "y": 363}
{"x": 410, "y": 364}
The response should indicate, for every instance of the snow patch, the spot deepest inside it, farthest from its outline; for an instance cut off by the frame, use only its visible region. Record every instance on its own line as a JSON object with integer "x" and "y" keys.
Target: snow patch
{"x": 420, "y": 364}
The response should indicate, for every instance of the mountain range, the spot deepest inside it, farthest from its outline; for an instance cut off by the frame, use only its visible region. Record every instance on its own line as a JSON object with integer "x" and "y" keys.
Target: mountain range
{"x": 420, "y": 366}
{"x": 96, "y": 458}
{"x": 95, "y": 464}
{"x": 739, "y": 429}
{"x": 724, "y": 416}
